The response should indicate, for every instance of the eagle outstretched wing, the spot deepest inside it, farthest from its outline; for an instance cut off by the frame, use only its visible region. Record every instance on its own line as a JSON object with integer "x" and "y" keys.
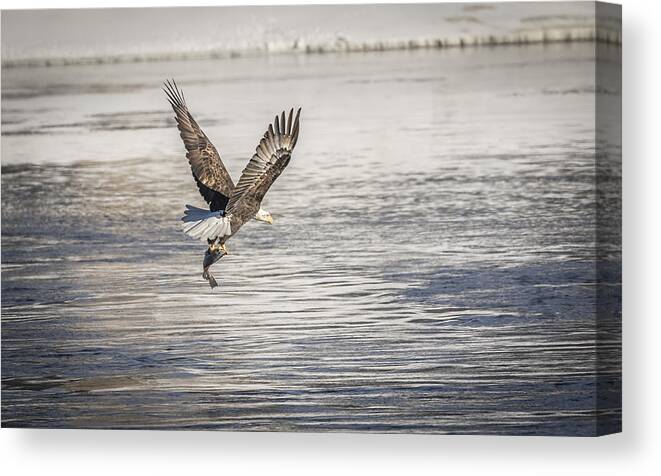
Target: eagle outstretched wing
{"x": 212, "y": 178}
{"x": 270, "y": 159}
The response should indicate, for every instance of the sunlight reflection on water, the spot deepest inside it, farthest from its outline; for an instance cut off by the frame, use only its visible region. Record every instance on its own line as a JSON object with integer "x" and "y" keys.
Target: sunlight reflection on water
{"x": 430, "y": 269}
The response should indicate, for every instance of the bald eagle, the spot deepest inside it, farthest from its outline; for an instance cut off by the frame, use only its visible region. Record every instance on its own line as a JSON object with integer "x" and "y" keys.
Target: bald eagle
{"x": 230, "y": 206}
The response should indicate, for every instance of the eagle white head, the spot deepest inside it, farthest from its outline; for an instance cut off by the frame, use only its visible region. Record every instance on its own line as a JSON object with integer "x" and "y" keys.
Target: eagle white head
{"x": 263, "y": 215}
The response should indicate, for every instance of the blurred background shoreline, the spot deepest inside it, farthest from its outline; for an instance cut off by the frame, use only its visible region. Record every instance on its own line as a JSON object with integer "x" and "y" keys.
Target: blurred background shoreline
{"x": 99, "y": 36}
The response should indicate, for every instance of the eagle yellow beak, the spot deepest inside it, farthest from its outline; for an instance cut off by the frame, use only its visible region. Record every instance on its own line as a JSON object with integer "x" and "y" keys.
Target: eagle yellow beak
{"x": 263, "y": 215}
{"x": 265, "y": 218}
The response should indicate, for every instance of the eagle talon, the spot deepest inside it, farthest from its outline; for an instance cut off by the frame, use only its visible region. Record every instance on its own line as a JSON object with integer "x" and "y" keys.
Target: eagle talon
{"x": 216, "y": 248}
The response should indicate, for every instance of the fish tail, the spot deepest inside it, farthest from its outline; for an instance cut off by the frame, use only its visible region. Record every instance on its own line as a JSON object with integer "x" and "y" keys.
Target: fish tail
{"x": 211, "y": 257}
{"x": 209, "y": 277}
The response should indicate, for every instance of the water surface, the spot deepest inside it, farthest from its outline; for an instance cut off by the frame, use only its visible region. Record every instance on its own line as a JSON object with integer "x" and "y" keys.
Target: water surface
{"x": 431, "y": 267}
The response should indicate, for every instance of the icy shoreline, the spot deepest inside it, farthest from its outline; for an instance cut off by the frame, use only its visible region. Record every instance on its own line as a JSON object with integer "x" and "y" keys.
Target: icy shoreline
{"x": 75, "y": 37}
{"x": 341, "y": 45}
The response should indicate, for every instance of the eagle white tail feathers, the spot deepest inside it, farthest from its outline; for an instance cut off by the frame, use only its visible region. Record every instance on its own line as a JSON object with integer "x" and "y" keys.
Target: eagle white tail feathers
{"x": 205, "y": 225}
